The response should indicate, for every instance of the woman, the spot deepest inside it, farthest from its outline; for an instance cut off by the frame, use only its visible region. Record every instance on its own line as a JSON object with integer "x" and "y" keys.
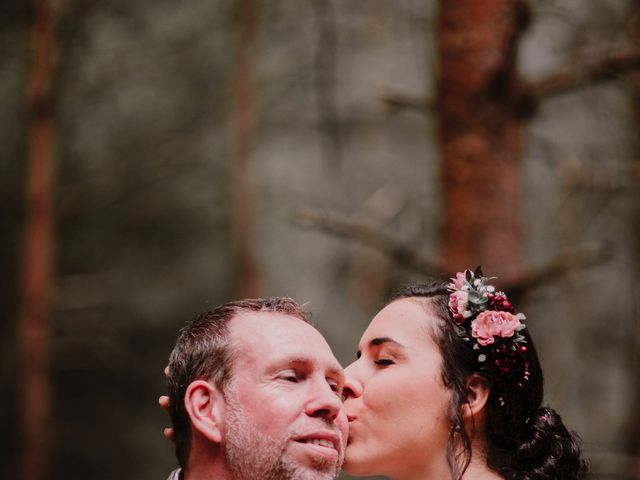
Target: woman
{"x": 447, "y": 384}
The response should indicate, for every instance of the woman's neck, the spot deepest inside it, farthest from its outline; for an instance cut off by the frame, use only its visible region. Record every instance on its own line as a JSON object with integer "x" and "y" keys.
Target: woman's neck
{"x": 478, "y": 470}
{"x": 437, "y": 467}
{"x": 474, "y": 472}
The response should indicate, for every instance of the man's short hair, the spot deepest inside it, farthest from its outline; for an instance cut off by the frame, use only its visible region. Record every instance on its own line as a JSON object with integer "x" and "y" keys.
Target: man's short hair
{"x": 203, "y": 351}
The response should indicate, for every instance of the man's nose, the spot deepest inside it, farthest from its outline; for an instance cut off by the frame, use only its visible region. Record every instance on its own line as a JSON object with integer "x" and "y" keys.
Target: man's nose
{"x": 324, "y": 401}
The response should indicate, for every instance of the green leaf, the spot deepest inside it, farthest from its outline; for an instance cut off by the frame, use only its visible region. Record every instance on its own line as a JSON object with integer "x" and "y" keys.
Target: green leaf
{"x": 476, "y": 297}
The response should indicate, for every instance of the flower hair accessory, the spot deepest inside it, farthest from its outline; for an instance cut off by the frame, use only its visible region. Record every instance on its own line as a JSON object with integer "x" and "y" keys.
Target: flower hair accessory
{"x": 487, "y": 321}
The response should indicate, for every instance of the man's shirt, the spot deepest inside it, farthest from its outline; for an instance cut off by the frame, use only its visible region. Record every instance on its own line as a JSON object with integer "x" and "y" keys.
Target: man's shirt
{"x": 175, "y": 475}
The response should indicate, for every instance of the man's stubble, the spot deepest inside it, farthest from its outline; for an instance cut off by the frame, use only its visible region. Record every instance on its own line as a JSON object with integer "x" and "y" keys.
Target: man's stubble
{"x": 252, "y": 455}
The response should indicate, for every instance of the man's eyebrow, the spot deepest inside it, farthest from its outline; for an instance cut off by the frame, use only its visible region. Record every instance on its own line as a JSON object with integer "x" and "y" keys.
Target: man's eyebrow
{"x": 309, "y": 363}
{"x": 376, "y": 342}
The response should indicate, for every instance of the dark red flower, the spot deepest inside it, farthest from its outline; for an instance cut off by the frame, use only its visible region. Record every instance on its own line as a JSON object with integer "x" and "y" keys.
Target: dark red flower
{"x": 498, "y": 301}
{"x": 506, "y": 365}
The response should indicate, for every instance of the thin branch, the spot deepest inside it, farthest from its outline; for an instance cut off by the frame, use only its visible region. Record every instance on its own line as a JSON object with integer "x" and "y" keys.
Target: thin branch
{"x": 581, "y": 179}
{"x": 352, "y": 229}
{"x": 404, "y": 255}
{"x": 397, "y": 100}
{"x": 581, "y": 256}
{"x": 605, "y": 70}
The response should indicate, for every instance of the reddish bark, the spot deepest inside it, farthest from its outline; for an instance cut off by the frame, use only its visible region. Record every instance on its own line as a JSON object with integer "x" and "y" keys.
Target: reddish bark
{"x": 479, "y": 134}
{"x": 33, "y": 328}
{"x": 248, "y": 284}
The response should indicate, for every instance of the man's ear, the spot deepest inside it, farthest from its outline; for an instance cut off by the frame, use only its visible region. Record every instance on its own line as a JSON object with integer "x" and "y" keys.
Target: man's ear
{"x": 205, "y": 405}
{"x": 477, "y": 396}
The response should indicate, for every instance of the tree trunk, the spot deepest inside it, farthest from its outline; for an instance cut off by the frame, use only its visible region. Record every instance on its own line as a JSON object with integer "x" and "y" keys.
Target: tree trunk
{"x": 479, "y": 134}
{"x": 248, "y": 284}
{"x": 33, "y": 328}
{"x": 632, "y": 432}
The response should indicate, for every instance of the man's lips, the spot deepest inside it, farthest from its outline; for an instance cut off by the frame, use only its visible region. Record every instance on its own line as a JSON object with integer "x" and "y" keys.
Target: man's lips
{"x": 321, "y": 439}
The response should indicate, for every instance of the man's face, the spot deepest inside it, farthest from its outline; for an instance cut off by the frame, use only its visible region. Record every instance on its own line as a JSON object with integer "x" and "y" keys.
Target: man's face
{"x": 284, "y": 416}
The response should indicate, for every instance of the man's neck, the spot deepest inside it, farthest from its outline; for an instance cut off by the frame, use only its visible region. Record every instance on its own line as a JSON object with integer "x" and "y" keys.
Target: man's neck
{"x": 204, "y": 472}
{"x": 205, "y": 467}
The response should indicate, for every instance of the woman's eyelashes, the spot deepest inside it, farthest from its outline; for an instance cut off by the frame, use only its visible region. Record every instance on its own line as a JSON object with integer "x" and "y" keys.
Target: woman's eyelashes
{"x": 384, "y": 362}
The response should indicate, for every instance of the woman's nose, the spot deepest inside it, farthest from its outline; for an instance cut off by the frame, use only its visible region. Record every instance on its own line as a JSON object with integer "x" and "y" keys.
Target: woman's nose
{"x": 353, "y": 384}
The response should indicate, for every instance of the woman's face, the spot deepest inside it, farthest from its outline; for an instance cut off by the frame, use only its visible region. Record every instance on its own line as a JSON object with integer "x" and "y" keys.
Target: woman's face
{"x": 397, "y": 404}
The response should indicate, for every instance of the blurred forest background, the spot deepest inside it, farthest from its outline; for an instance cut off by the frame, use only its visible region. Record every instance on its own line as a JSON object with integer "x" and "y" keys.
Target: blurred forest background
{"x": 158, "y": 158}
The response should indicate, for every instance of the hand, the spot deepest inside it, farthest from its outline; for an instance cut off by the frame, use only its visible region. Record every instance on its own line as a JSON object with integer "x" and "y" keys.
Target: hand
{"x": 164, "y": 403}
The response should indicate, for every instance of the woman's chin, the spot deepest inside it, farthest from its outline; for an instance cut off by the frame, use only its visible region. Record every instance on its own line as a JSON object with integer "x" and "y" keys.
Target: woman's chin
{"x": 354, "y": 471}
{"x": 356, "y": 467}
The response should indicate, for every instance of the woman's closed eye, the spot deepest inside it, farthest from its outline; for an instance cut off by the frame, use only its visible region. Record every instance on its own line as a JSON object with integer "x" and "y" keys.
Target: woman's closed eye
{"x": 384, "y": 362}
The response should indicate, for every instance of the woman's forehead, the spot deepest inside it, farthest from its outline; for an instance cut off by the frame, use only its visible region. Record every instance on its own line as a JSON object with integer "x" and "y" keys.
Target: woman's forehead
{"x": 405, "y": 320}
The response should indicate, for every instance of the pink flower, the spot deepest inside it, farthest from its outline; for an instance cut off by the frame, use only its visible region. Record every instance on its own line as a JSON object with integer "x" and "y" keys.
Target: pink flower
{"x": 490, "y": 324}
{"x": 458, "y": 282}
{"x": 457, "y": 304}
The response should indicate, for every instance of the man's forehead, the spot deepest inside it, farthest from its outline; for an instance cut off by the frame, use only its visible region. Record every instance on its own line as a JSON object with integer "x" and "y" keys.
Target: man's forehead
{"x": 276, "y": 335}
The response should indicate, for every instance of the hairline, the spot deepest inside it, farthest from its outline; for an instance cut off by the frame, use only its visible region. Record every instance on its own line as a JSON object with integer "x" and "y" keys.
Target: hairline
{"x": 235, "y": 349}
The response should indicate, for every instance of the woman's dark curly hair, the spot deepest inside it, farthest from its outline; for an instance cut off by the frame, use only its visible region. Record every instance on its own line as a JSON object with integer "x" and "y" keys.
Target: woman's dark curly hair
{"x": 524, "y": 440}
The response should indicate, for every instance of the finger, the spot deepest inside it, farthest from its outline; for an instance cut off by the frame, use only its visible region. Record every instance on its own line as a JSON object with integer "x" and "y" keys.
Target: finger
{"x": 168, "y": 432}
{"x": 164, "y": 402}
{"x": 166, "y": 371}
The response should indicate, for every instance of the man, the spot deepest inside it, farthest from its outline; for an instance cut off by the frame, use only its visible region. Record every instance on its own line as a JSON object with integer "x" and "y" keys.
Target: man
{"x": 254, "y": 393}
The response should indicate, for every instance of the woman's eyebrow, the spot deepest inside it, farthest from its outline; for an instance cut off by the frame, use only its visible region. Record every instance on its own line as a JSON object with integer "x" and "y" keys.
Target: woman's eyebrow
{"x": 376, "y": 342}
{"x": 382, "y": 340}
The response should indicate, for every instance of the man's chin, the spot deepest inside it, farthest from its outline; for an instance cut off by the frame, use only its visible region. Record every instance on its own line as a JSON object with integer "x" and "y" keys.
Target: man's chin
{"x": 313, "y": 461}
{"x": 309, "y": 473}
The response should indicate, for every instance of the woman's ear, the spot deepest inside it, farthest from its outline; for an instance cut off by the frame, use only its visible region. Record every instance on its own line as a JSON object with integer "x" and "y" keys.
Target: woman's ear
{"x": 205, "y": 405}
{"x": 477, "y": 396}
